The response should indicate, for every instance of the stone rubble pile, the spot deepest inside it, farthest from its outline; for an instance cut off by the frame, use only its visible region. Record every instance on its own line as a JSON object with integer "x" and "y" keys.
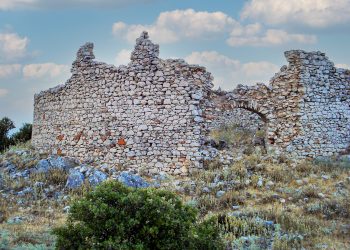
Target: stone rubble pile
{"x": 70, "y": 171}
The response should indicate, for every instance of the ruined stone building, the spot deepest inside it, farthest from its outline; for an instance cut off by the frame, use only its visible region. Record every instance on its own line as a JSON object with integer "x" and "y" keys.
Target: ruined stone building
{"x": 147, "y": 114}
{"x": 306, "y": 107}
{"x": 156, "y": 113}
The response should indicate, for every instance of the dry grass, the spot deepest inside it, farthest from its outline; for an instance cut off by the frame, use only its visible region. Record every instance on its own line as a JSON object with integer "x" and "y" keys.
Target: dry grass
{"x": 37, "y": 215}
{"x": 235, "y": 136}
{"x": 309, "y": 200}
{"x": 53, "y": 177}
{"x": 35, "y": 228}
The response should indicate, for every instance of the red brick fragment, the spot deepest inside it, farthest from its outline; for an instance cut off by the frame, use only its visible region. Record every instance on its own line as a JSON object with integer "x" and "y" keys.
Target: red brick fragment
{"x": 121, "y": 142}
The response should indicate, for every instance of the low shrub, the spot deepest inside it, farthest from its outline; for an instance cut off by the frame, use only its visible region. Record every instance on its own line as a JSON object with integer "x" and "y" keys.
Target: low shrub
{"x": 239, "y": 227}
{"x": 330, "y": 209}
{"x": 117, "y": 217}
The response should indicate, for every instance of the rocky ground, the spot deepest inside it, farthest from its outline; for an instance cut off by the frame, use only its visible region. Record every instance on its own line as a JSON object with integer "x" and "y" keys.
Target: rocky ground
{"x": 262, "y": 201}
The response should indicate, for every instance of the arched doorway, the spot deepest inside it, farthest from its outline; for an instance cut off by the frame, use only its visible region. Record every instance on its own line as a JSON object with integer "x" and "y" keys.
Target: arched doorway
{"x": 241, "y": 124}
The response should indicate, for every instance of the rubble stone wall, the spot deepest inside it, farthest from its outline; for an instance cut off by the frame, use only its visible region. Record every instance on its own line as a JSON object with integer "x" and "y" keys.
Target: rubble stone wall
{"x": 156, "y": 114}
{"x": 146, "y": 114}
{"x": 305, "y": 107}
{"x": 324, "y": 115}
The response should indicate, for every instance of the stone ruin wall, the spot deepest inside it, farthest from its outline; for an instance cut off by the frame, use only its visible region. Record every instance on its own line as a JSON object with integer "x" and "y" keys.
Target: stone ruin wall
{"x": 324, "y": 117}
{"x": 156, "y": 114}
{"x": 306, "y": 106}
{"x": 146, "y": 114}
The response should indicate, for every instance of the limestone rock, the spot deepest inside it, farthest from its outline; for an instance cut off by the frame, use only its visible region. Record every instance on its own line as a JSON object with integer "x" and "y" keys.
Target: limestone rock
{"x": 75, "y": 179}
{"x": 132, "y": 180}
{"x": 97, "y": 177}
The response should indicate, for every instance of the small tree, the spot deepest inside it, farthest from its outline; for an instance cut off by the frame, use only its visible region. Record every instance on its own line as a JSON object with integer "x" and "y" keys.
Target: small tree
{"x": 24, "y": 134}
{"x": 114, "y": 216}
{"x": 5, "y": 126}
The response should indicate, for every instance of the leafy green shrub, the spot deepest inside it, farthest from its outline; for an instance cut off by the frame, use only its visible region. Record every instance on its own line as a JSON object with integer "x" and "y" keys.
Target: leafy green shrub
{"x": 114, "y": 216}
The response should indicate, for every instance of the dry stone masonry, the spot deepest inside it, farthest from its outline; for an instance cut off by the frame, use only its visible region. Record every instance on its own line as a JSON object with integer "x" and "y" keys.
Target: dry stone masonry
{"x": 306, "y": 107}
{"x": 147, "y": 114}
{"x": 156, "y": 114}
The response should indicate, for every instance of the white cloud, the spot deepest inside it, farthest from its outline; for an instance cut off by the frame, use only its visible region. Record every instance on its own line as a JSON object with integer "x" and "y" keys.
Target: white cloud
{"x": 342, "y": 66}
{"x": 228, "y": 72}
{"x": 314, "y": 13}
{"x": 172, "y": 26}
{"x": 249, "y": 30}
{"x": 46, "y": 4}
{"x": 11, "y": 4}
{"x": 269, "y": 38}
{"x": 12, "y": 46}
{"x": 118, "y": 27}
{"x": 123, "y": 57}
{"x": 214, "y": 58}
{"x": 7, "y": 70}
{"x": 3, "y": 92}
{"x": 43, "y": 70}
{"x": 263, "y": 69}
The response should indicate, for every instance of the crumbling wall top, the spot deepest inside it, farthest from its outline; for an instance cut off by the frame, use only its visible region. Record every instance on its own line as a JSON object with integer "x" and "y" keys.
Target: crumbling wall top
{"x": 301, "y": 58}
{"x": 145, "y": 52}
{"x": 85, "y": 52}
{"x": 85, "y": 55}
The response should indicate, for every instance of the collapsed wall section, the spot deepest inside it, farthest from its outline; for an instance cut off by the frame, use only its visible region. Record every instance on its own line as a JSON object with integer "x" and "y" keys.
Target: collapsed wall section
{"x": 306, "y": 107}
{"x": 324, "y": 117}
{"x": 147, "y": 114}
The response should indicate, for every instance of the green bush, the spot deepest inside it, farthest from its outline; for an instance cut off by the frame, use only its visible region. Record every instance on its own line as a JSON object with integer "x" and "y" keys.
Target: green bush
{"x": 114, "y": 216}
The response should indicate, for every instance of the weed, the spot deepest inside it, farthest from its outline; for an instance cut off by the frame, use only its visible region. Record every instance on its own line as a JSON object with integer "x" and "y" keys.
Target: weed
{"x": 212, "y": 164}
{"x": 239, "y": 227}
{"x": 52, "y": 177}
{"x": 292, "y": 222}
{"x": 330, "y": 209}
{"x": 279, "y": 173}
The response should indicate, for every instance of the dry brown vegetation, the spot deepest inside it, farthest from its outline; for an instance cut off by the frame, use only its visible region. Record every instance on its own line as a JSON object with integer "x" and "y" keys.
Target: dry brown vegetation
{"x": 268, "y": 202}
{"x": 308, "y": 201}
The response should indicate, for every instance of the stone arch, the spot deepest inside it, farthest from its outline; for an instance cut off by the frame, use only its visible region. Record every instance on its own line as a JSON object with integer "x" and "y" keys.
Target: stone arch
{"x": 252, "y": 106}
{"x": 225, "y": 102}
{"x": 264, "y": 114}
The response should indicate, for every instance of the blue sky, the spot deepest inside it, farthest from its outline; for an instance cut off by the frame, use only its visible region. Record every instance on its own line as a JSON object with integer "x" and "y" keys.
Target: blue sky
{"x": 239, "y": 41}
